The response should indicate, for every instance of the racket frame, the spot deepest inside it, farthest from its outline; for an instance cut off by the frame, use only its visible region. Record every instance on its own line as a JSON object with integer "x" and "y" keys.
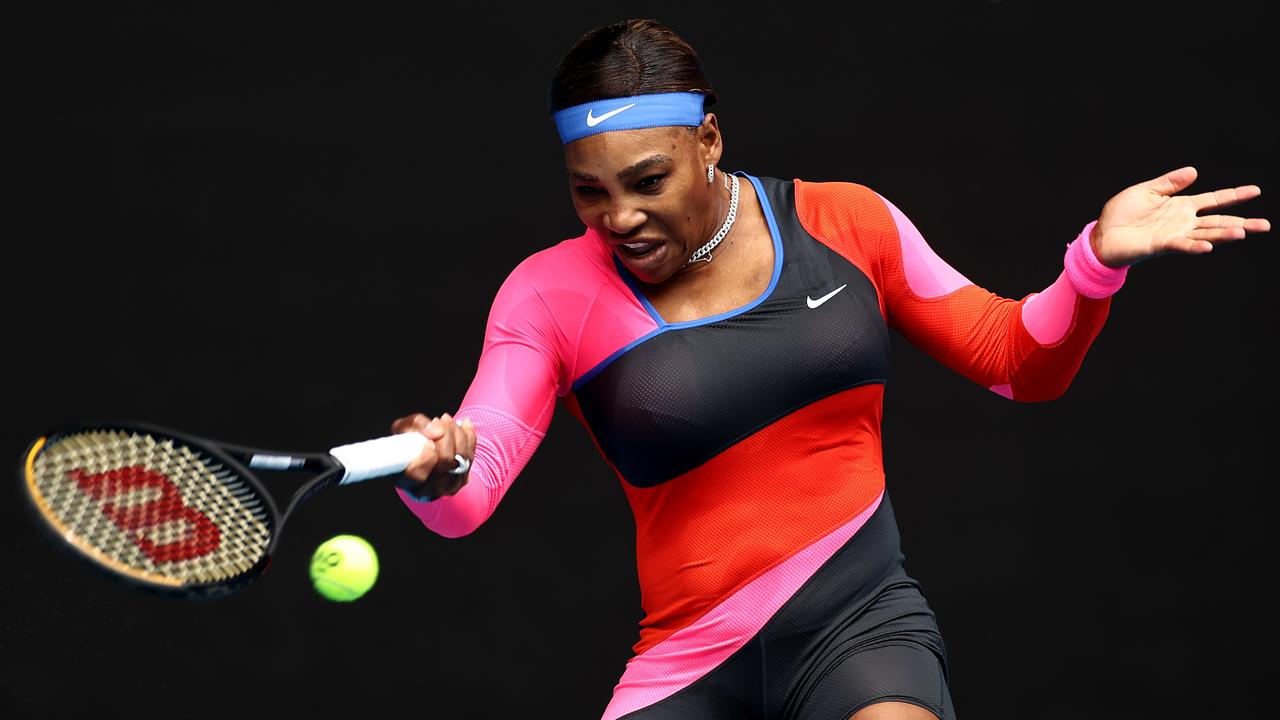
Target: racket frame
{"x": 327, "y": 471}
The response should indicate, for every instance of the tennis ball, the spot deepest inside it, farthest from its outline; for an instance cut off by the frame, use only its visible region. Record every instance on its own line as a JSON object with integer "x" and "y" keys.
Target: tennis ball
{"x": 344, "y": 567}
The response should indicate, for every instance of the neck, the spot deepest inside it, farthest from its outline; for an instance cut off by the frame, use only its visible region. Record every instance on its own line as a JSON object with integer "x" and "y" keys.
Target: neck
{"x": 704, "y": 253}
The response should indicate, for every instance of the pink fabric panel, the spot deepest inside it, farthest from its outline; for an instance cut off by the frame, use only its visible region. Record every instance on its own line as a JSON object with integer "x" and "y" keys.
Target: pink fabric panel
{"x": 1004, "y": 389}
{"x": 927, "y": 274}
{"x": 533, "y": 350}
{"x": 1047, "y": 315}
{"x": 693, "y": 651}
{"x": 614, "y": 318}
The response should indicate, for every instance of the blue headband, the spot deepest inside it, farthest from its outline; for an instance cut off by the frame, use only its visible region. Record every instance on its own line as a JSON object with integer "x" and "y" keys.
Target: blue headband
{"x": 629, "y": 113}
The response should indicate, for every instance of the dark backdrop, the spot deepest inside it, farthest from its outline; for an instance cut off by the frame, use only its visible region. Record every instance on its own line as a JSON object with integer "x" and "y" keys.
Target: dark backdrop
{"x": 284, "y": 228}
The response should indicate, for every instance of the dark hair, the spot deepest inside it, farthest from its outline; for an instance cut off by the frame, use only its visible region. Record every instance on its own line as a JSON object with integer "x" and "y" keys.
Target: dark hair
{"x": 631, "y": 57}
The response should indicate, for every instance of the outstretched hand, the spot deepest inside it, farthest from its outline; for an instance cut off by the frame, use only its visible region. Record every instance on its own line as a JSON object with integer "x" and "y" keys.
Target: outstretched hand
{"x": 1150, "y": 219}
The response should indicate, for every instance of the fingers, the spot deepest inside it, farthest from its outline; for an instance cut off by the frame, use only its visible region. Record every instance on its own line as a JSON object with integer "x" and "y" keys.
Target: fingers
{"x": 1188, "y": 244}
{"x": 450, "y": 438}
{"x": 1172, "y": 182}
{"x": 420, "y": 469}
{"x": 418, "y": 422}
{"x": 1225, "y": 197}
{"x": 1224, "y": 228}
{"x": 1213, "y": 229}
{"x": 469, "y": 438}
{"x": 463, "y": 437}
{"x": 1235, "y": 225}
{"x": 433, "y": 428}
{"x": 407, "y": 423}
{"x": 445, "y": 446}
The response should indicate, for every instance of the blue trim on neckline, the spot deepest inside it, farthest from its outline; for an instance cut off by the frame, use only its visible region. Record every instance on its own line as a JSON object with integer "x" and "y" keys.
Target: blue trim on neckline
{"x": 664, "y": 326}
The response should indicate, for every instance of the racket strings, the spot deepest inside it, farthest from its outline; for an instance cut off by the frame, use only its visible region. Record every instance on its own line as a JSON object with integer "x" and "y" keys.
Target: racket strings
{"x": 151, "y": 507}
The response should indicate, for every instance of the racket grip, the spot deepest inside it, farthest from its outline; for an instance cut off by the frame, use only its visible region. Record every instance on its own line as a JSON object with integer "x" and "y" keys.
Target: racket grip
{"x": 376, "y": 458}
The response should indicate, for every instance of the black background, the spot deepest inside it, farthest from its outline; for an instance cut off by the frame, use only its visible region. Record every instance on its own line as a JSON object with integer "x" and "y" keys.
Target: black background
{"x": 284, "y": 228}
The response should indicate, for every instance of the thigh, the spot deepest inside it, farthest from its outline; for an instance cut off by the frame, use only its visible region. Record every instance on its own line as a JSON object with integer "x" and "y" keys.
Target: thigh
{"x": 904, "y": 672}
{"x": 893, "y": 710}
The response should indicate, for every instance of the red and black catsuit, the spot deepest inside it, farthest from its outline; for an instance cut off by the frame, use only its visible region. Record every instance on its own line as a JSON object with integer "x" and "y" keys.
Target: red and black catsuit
{"x": 748, "y": 445}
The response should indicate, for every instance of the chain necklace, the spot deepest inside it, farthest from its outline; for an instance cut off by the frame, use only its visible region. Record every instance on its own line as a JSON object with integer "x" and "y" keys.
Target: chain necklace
{"x": 724, "y": 229}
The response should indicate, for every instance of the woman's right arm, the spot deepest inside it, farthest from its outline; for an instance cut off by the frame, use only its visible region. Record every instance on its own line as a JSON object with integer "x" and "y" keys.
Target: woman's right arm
{"x": 509, "y": 403}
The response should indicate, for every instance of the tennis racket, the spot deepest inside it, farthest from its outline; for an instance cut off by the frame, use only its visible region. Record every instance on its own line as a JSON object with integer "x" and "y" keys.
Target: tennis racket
{"x": 178, "y": 514}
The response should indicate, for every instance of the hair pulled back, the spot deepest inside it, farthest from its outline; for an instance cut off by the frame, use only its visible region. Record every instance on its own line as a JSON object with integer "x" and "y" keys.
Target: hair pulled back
{"x": 631, "y": 57}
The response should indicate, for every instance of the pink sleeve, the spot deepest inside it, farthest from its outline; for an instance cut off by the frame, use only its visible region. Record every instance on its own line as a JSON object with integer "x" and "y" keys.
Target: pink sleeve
{"x": 510, "y": 401}
{"x": 1047, "y": 315}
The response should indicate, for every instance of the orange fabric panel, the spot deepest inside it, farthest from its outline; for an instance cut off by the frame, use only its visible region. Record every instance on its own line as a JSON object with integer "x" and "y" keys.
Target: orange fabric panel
{"x": 708, "y": 532}
{"x": 970, "y": 330}
{"x": 1045, "y": 372}
{"x": 850, "y": 219}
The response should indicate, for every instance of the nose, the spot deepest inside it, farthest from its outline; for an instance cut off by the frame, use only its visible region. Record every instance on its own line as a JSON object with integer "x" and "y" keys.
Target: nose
{"x": 622, "y": 217}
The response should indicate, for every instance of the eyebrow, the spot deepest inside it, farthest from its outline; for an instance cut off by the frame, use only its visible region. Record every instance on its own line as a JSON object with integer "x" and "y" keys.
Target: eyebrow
{"x": 626, "y": 172}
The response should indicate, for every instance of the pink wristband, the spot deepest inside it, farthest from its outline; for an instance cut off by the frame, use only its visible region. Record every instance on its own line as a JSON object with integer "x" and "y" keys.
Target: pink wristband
{"x": 1086, "y": 272}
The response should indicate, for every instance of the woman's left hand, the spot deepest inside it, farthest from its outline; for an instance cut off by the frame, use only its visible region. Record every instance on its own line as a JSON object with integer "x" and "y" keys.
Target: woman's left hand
{"x": 1149, "y": 219}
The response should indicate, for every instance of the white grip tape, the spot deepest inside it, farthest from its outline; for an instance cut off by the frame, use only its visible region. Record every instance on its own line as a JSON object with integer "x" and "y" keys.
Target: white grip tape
{"x": 375, "y": 458}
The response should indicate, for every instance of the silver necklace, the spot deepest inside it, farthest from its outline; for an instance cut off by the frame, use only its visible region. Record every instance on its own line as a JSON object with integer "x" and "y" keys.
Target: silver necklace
{"x": 724, "y": 229}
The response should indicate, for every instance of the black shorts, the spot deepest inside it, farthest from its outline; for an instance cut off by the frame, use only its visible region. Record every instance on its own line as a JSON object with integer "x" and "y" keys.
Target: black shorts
{"x": 859, "y": 631}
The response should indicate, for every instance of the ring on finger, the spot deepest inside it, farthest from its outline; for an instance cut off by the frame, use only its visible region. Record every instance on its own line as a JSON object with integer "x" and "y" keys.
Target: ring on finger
{"x": 463, "y": 465}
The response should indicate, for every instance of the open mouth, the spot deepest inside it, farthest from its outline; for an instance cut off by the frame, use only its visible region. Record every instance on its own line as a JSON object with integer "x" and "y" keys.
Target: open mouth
{"x": 638, "y": 249}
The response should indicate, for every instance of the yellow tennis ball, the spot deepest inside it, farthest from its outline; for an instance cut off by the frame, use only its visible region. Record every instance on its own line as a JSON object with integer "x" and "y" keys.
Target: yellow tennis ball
{"x": 344, "y": 567}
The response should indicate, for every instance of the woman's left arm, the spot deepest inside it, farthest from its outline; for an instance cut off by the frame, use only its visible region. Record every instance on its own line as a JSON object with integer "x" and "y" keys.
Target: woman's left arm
{"x": 1030, "y": 350}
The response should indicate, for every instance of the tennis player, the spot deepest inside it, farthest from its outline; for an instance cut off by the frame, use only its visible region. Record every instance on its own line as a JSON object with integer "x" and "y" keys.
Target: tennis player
{"x": 724, "y": 338}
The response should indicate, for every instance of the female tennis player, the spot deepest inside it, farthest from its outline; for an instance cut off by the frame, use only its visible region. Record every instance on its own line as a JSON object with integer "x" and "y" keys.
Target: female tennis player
{"x": 724, "y": 338}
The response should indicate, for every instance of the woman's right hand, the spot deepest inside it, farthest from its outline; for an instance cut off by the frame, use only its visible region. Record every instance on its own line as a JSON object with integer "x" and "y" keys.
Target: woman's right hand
{"x": 428, "y": 476}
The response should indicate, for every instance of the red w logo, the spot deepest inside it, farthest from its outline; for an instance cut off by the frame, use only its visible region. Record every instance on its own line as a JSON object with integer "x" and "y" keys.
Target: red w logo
{"x": 200, "y": 536}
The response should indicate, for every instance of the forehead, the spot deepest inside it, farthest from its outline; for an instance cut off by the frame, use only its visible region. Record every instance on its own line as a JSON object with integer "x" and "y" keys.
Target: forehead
{"x": 612, "y": 152}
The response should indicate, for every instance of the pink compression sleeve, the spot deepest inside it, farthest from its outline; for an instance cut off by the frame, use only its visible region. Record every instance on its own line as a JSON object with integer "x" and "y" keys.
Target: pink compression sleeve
{"x": 510, "y": 401}
{"x": 1047, "y": 315}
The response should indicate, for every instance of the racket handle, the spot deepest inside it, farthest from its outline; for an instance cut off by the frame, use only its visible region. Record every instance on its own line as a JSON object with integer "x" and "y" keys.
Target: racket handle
{"x": 376, "y": 458}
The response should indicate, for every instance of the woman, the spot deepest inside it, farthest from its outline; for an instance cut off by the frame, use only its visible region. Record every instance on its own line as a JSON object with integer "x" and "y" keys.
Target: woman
{"x": 724, "y": 339}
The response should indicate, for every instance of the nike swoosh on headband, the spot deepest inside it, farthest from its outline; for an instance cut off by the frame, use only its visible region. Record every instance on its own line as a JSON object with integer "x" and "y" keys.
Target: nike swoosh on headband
{"x": 593, "y": 121}
{"x": 815, "y": 303}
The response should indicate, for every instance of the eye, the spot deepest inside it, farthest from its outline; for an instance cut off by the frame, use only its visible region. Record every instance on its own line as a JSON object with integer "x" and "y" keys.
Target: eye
{"x": 586, "y": 190}
{"x": 646, "y": 185}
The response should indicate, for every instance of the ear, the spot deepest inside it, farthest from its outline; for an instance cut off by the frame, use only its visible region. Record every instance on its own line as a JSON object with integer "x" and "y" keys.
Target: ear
{"x": 709, "y": 141}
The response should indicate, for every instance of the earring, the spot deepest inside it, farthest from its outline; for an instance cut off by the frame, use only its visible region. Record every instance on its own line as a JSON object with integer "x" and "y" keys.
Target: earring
{"x": 711, "y": 173}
